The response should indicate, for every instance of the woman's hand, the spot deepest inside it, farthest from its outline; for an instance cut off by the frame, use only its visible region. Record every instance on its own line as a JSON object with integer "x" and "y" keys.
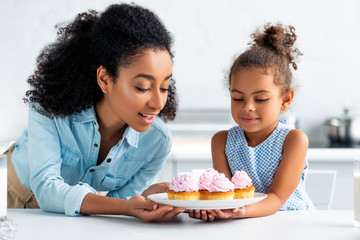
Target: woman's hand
{"x": 209, "y": 215}
{"x": 140, "y": 207}
{"x": 156, "y": 188}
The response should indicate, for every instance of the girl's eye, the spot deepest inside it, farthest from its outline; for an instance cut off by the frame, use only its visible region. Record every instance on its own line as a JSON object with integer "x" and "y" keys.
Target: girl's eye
{"x": 238, "y": 99}
{"x": 143, "y": 89}
{"x": 261, "y": 100}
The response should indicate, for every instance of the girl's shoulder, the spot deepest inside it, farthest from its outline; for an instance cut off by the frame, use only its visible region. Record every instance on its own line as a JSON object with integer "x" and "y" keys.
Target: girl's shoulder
{"x": 220, "y": 136}
{"x": 218, "y": 141}
{"x": 236, "y": 133}
{"x": 296, "y": 137}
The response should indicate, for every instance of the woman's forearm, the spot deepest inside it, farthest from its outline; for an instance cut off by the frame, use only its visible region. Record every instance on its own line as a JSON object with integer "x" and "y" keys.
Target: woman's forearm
{"x": 95, "y": 204}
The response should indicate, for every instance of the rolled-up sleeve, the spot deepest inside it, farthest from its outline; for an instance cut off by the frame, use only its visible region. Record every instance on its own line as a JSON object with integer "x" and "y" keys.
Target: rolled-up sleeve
{"x": 74, "y": 198}
{"x": 44, "y": 154}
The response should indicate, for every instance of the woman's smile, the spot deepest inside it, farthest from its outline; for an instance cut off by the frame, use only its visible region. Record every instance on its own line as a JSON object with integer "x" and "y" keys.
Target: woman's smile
{"x": 148, "y": 118}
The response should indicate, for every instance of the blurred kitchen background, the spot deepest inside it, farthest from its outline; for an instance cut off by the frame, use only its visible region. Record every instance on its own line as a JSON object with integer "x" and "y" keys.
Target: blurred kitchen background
{"x": 208, "y": 35}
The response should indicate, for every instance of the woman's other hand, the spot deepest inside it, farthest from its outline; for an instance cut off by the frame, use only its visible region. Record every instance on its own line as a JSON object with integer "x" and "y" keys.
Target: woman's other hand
{"x": 143, "y": 208}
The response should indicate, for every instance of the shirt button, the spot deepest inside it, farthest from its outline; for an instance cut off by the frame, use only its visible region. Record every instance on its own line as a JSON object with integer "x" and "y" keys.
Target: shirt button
{"x": 108, "y": 160}
{"x": 95, "y": 145}
{"x": 92, "y": 170}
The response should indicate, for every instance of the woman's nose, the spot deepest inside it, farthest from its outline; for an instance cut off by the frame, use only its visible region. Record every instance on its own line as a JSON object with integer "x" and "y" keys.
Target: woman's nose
{"x": 158, "y": 100}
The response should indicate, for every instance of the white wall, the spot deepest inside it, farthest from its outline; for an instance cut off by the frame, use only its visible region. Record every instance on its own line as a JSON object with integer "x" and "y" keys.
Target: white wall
{"x": 208, "y": 34}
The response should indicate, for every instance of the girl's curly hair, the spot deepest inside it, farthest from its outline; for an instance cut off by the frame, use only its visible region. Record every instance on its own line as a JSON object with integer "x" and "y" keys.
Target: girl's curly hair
{"x": 271, "y": 48}
{"x": 64, "y": 81}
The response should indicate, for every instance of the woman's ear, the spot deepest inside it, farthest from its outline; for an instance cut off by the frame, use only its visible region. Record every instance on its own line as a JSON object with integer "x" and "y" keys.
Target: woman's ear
{"x": 287, "y": 99}
{"x": 103, "y": 79}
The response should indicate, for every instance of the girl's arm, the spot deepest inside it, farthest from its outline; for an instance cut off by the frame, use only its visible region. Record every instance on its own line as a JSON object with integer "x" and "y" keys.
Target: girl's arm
{"x": 287, "y": 176}
{"x": 285, "y": 181}
{"x": 218, "y": 143}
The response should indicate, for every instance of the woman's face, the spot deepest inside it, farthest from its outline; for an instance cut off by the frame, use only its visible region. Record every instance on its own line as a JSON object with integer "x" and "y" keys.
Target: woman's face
{"x": 140, "y": 91}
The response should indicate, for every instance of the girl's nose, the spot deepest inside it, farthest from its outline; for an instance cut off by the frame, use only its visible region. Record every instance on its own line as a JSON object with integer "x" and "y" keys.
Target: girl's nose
{"x": 158, "y": 100}
{"x": 248, "y": 106}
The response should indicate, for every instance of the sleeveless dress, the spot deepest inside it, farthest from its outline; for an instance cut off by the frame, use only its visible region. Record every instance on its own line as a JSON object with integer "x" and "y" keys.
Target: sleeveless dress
{"x": 262, "y": 161}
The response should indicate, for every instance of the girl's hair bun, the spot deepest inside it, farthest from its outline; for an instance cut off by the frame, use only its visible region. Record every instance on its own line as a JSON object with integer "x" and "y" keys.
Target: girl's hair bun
{"x": 278, "y": 39}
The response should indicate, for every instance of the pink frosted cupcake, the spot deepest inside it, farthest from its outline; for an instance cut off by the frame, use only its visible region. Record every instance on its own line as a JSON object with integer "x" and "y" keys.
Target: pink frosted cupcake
{"x": 220, "y": 188}
{"x": 205, "y": 181}
{"x": 184, "y": 186}
{"x": 243, "y": 186}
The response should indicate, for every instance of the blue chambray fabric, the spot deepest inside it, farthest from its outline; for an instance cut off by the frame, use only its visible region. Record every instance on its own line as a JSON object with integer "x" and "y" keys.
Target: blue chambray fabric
{"x": 57, "y": 160}
{"x": 262, "y": 161}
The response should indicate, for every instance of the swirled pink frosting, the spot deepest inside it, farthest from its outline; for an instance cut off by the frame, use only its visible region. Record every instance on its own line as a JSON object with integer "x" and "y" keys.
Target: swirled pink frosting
{"x": 241, "y": 180}
{"x": 184, "y": 182}
{"x": 220, "y": 183}
{"x": 206, "y": 178}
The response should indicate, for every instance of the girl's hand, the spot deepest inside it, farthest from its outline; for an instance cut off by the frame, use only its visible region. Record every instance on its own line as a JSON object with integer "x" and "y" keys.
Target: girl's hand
{"x": 209, "y": 215}
{"x": 201, "y": 214}
{"x": 140, "y": 207}
{"x": 228, "y": 213}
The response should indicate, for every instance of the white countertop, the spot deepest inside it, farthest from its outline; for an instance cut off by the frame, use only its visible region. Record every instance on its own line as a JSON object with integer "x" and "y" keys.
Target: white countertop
{"x": 36, "y": 224}
{"x": 200, "y": 150}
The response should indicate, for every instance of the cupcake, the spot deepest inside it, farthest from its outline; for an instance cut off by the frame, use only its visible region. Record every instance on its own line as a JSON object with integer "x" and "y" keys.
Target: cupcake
{"x": 184, "y": 186}
{"x": 220, "y": 188}
{"x": 205, "y": 181}
{"x": 242, "y": 184}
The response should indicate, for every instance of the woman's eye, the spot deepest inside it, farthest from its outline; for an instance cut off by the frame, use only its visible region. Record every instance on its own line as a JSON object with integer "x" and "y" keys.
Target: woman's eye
{"x": 164, "y": 89}
{"x": 261, "y": 100}
{"x": 143, "y": 89}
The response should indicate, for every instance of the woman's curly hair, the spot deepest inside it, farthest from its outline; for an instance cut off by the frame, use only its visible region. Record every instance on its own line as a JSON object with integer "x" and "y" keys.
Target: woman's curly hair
{"x": 271, "y": 48}
{"x": 65, "y": 82}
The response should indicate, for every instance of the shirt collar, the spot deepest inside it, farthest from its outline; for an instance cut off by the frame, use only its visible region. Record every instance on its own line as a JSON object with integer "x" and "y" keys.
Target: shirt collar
{"x": 88, "y": 115}
{"x": 85, "y": 116}
{"x": 131, "y": 136}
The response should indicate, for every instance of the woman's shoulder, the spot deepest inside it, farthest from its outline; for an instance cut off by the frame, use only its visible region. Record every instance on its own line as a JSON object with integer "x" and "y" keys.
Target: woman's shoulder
{"x": 86, "y": 115}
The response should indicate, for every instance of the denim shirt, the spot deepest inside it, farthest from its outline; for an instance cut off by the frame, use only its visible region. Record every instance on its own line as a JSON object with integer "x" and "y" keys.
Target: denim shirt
{"x": 57, "y": 160}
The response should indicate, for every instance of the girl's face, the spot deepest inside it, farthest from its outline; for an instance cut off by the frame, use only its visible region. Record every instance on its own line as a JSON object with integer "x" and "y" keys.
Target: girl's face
{"x": 139, "y": 92}
{"x": 256, "y": 102}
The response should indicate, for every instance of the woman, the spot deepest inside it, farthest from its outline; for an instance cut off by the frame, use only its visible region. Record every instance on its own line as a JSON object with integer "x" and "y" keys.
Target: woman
{"x": 93, "y": 125}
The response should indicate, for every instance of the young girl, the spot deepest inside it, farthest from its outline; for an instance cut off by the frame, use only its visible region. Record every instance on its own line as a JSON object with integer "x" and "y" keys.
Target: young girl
{"x": 93, "y": 126}
{"x": 273, "y": 154}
